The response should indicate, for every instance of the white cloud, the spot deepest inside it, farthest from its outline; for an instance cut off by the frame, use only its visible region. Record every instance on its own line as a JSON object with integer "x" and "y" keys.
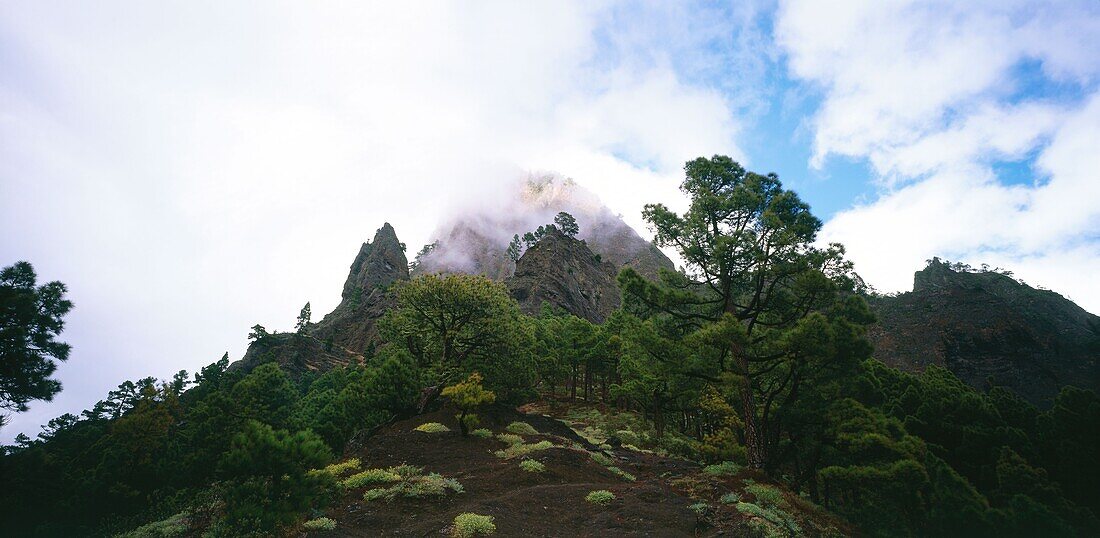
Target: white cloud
{"x": 933, "y": 95}
{"x": 192, "y": 168}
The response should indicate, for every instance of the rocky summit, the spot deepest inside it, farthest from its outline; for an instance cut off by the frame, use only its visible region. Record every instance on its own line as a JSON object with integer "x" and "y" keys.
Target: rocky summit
{"x": 986, "y": 326}
{"x": 563, "y": 272}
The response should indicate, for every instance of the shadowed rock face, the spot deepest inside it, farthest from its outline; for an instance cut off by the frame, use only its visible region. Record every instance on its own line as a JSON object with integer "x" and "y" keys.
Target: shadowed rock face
{"x": 988, "y": 326}
{"x": 349, "y": 331}
{"x": 565, "y": 273}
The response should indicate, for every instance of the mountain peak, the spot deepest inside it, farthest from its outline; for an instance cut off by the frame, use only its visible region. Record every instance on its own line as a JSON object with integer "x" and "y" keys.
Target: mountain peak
{"x": 378, "y": 264}
{"x": 564, "y": 272}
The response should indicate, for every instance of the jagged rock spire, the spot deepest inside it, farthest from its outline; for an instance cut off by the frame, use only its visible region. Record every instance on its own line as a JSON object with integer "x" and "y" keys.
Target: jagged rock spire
{"x": 378, "y": 264}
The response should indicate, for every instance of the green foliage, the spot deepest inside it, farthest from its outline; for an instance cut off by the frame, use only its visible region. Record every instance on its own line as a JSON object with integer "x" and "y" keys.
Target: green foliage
{"x": 522, "y": 428}
{"x": 458, "y": 324}
{"x": 467, "y": 396}
{"x": 730, "y": 498}
{"x": 270, "y": 486}
{"x": 600, "y": 496}
{"x": 414, "y": 486}
{"x": 532, "y": 466}
{"x": 622, "y": 474}
{"x": 765, "y": 495}
{"x": 370, "y": 477}
{"x": 337, "y": 469}
{"x": 566, "y": 224}
{"x": 432, "y": 427}
{"x": 302, "y": 322}
{"x": 266, "y": 394}
{"x": 482, "y": 433}
{"x": 322, "y": 524}
{"x": 601, "y": 458}
{"x": 770, "y": 521}
{"x": 509, "y": 438}
{"x": 726, "y": 468}
{"x": 176, "y": 525}
{"x": 30, "y": 320}
{"x": 700, "y": 508}
{"x": 469, "y": 524}
{"x": 520, "y": 449}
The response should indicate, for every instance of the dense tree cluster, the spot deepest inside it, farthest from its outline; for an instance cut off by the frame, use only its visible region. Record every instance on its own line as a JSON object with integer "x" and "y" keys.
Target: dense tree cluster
{"x": 753, "y": 353}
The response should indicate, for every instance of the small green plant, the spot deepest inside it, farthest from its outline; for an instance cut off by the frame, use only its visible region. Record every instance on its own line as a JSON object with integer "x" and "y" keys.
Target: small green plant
{"x": 320, "y": 524}
{"x": 509, "y": 438}
{"x": 699, "y": 508}
{"x": 730, "y": 498}
{"x": 600, "y": 496}
{"x": 628, "y": 437}
{"x": 521, "y": 449}
{"x": 469, "y": 524}
{"x": 467, "y": 396}
{"x": 371, "y": 477}
{"x": 337, "y": 469}
{"x": 482, "y": 433}
{"x": 174, "y": 526}
{"x": 622, "y": 474}
{"x": 522, "y": 428}
{"x": 532, "y": 466}
{"x": 432, "y": 427}
{"x": 726, "y": 468}
{"x": 770, "y": 522}
{"x": 601, "y": 459}
{"x": 415, "y": 487}
{"x": 765, "y": 494}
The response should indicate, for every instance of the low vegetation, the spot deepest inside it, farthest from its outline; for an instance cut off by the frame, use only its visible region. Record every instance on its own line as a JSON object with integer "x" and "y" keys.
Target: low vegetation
{"x": 600, "y": 496}
{"x": 469, "y": 524}
{"x": 321, "y": 524}
{"x": 522, "y": 428}
{"x": 413, "y": 484}
{"x": 432, "y": 427}
{"x": 532, "y": 466}
{"x": 521, "y": 449}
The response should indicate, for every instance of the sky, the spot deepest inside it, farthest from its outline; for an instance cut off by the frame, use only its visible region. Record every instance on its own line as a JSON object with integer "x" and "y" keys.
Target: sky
{"x": 192, "y": 168}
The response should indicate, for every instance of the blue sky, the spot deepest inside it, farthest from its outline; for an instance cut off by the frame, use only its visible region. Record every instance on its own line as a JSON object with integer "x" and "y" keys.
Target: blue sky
{"x": 190, "y": 169}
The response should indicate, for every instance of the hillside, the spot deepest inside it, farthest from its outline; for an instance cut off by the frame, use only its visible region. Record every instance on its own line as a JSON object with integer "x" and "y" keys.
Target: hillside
{"x": 987, "y": 326}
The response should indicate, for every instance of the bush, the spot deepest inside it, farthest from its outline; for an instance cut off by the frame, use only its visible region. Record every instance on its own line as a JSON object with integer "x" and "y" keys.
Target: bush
{"x": 174, "y": 526}
{"x": 622, "y": 474}
{"x": 730, "y": 498}
{"x": 522, "y": 428}
{"x": 509, "y": 438}
{"x": 432, "y": 427}
{"x": 600, "y": 496}
{"x": 726, "y": 468}
{"x": 628, "y": 437}
{"x": 765, "y": 494}
{"x": 601, "y": 459}
{"x": 337, "y": 469}
{"x": 532, "y": 466}
{"x": 469, "y": 524}
{"x": 770, "y": 521}
{"x": 482, "y": 433}
{"x": 700, "y": 508}
{"x": 320, "y": 524}
{"x": 522, "y": 449}
{"x": 370, "y": 477}
{"x": 415, "y": 487}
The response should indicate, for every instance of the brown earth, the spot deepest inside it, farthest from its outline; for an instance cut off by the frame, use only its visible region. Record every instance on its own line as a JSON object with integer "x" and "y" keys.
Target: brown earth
{"x": 547, "y": 504}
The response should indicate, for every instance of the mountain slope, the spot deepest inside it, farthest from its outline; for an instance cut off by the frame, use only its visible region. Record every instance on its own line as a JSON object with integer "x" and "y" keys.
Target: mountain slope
{"x": 565, "y": 273}
{"x": 987, "y": 325}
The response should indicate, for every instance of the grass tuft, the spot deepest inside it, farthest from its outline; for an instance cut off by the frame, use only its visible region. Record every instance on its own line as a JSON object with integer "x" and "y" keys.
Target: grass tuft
{"x": 522, "y": 428}
{"x": 509, "y": 438}
{"x": 622, "y": 474}
{"x": 521, "y": 449}
{"x": 337, "y": 469}
{"x": 726, "y": 468}
{"x": 483, "y": 433}
{"x": 532, "y": 466}
{"x": 730, "y": 498}
{"x": 320, "y": 524}
{"x": 371, "y": 477}
{"x": 765, "y": 494}
{"x": 469, "y": 524}
{"x": 432, "y": 427}
{"x": 600, "y": 496}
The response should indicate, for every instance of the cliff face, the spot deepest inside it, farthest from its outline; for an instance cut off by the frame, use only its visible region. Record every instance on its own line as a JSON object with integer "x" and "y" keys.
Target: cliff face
{"x": 987, "y": 325}
{"x": 347, "y": 332}
{"x": 565, "y": 273}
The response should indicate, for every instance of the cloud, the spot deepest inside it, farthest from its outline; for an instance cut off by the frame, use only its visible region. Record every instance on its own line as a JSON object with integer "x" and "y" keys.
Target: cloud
{"x": 190, "y": 169}
{"x": 939, "y": 97}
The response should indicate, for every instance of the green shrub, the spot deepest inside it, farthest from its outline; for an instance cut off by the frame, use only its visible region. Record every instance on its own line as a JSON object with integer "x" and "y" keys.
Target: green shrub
{"x": 628, "y": 437}
{"x": 176, "y": 525}
{"x": 532, "y": 466}
{"x": 765, "y": 494}
{"x": 320, "y": 524}
{"x": 622, "y": 474}
{"x": 468, "y": 524}
{"x": 770, "y": 521}
{"x": 730, "y": 498}
{"x": 726, "y": 468}
{"x": 522, "y": 428}
{"x": 415, "y": 486}
{"x": 432, "y": 427}
{"x": 522, "y": 449}
{"x": 337, "y": 469}
{"x": 509, "y": 438}
{"x": 468, "y": 422}
{"x": 700, "y": 508}
{"x": 482, "y": 433}
{"x": 370, "y": 477}
{"x": 601, "y": 459}
{"x": 405, "y": 470}
{"x": 600, "y": 496}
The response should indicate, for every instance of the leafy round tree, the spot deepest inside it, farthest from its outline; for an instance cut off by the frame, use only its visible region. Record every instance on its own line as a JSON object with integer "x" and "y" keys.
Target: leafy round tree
{"x": 567, "y": 224}
{"x": 30, "y": 320}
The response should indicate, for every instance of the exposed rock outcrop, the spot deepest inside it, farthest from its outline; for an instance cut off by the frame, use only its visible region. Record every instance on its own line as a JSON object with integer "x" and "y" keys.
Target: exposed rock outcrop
{"x": 988, "y": 326}
{"x": 565, "y": 273}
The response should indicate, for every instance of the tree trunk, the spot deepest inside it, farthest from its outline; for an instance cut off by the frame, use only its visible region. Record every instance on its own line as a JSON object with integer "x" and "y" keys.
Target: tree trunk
{"x": 754, "y": 440}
